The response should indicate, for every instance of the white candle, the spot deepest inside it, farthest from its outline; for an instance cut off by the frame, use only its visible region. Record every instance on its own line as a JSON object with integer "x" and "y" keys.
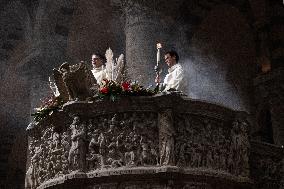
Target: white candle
{"x": 159, "y": 46}
{"x": 158, "y": 56}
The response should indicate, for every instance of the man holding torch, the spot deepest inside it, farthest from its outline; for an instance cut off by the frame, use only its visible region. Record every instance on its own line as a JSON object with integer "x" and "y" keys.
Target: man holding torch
{"x": 175, "y": 79}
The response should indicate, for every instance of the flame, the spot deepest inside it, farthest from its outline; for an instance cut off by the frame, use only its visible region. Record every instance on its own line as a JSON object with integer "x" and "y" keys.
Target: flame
{"x": 159, "y": 45}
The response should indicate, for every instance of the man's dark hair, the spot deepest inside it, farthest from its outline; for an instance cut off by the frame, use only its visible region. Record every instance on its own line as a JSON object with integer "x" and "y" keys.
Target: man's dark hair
{"x": 101, "y": 56}
{"x": 173, "y": 53}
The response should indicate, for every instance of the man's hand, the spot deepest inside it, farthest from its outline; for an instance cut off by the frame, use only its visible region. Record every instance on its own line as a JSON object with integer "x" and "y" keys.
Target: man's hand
{"x": 157, "y": 69}
{"x": 157, "y": 79}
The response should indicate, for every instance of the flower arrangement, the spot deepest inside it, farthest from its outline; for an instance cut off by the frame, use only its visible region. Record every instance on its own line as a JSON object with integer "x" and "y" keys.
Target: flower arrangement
{"x": 49, "y": 105}
{"x": 112, "y": 89}
{"x": 108, "y": 89}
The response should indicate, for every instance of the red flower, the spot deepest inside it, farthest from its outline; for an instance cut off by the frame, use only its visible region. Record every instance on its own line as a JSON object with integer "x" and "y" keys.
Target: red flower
{"x": 104, "y": 90}
{"x": 125, "y": 86}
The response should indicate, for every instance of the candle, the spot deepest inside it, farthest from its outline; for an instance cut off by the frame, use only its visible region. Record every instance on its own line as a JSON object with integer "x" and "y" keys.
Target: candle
{"x": 159, "y": 46}
{"x": 158, "y": 56}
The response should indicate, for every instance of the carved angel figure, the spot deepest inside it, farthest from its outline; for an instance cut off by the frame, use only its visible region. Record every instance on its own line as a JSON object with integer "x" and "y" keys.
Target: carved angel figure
{"x": 74, "y": 82}
{"x": 115, "y": 69}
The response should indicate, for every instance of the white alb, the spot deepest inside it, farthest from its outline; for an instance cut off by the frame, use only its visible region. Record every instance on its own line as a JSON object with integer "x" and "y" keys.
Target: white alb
{"x": 100, "y": 74}
{"x": 175, "y": 79}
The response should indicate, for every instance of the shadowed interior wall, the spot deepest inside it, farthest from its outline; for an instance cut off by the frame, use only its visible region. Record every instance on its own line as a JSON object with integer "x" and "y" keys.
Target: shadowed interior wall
{"x": 95, "y": 26}
{"x": 222, "y": 59}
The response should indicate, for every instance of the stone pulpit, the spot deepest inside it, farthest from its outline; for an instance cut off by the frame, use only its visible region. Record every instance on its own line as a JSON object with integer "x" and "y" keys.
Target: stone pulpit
{"x": 162, "y": 141}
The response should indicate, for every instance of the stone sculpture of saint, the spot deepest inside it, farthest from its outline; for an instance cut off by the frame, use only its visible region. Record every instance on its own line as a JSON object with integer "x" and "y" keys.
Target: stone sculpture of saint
{"x": 167, "y": 132}
{"x": 77, "y": 153}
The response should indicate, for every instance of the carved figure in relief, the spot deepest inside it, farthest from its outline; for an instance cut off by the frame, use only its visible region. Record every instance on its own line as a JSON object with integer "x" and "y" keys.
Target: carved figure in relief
{"x": 32, "y": 177}
{"x": 55, "y": 140}
{"x": 129, "y": 155}
{"x": 64, "y": 147}
{"x": 58, "y": 168}
{"x": 145, "y": 151}
{"x": 31, "y": 180}
{"x": 244, "y": 145}
{"x": 230, "y": 162}
{"x": 209, "y": 158}
{"x": 195, "y": 158}
{"x": 111, "y": 133}
{"x": 95, "y": 159}
{"x": 167, "y": 133}
{"x": 181, "y": 155}
{"x": 115, "y": 158}
{"x": 154, "y": 153}
{"x": 223, "y": 157}
{"x": 240, "y": 145}
{"x": 77, "y": 151}
{"x": 120, "y": 142}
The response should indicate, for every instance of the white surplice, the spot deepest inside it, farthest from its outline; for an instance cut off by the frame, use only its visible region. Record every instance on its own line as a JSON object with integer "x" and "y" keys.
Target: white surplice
{"x": 100, "y": 74}
{"x": 176, "y": 79}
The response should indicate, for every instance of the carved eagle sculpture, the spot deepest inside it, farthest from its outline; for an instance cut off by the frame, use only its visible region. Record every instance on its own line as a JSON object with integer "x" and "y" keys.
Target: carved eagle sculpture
{"x": 114, "y": 69}
{"x": 74, "y": 82}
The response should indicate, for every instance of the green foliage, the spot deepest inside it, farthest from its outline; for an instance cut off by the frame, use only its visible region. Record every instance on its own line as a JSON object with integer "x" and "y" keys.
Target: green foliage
{"x": 49, "y": 105}
{"x": 110, "y": 89}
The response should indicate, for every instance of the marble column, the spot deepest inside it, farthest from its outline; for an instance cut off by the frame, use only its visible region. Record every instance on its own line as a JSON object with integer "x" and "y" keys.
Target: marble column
{"x": 142, "y": 31}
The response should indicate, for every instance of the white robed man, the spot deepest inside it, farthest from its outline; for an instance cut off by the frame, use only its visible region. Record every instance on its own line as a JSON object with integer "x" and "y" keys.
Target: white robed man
{"x": 99, "y": 70}
{"x": 175, "y": 79}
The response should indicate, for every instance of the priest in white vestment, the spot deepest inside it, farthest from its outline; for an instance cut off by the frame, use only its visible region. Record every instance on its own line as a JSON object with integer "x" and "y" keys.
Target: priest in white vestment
{"x": 175, "y": 79}
{"x": 99, "y": 70}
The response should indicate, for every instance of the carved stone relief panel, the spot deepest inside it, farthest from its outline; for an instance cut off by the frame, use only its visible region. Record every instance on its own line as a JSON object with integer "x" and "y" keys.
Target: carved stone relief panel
{"x": 101, "y": 142}
{"x": 139, "y": 138}
{"x": 201, "y": 142}
{"x": 49, "y": 156}
{"x": 125, "y": 139}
